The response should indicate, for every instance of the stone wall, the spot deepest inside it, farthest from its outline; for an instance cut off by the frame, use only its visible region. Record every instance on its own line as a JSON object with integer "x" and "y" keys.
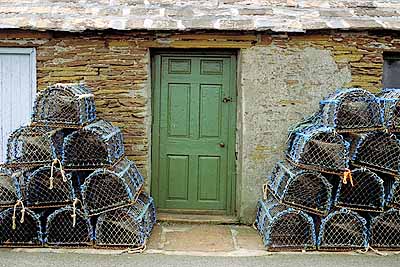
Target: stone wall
{"x": 282, "y": 82}
{"x": 281, "y": 79}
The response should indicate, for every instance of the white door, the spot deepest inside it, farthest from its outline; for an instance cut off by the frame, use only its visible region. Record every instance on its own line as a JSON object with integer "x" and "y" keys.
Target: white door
{"x": 17, "y": 91}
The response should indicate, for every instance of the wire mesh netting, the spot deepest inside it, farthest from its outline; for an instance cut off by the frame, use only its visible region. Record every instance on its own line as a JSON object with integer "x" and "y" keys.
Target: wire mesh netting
{"x": 319, "y": 148}
{"x": 107, "y": 189}
{"x": 343, "y": 230}
{"x": 385, "y": 230}
{"x": 364, "y": 192}
{"x": 19, "y": 227}
{"x": 390, "y": 104}
{"x": 49, "y": 187}
{"x": 351, "y": 110}
{"x": 150, "y": 212}
{"x": 284, "y": 228}
{"x": 34, "y": 146}
{"x": 66, "y": 105}
{"x": 378, "y": 151}
{"x": 68, "y": 226}
{"x": 10, "y": 191}
{"x": 126, "y": 227}
{"x": 393, "y": 198}
{"x": 95, "y": 145}
{"x": 262, "y": 209}
{"x": 21, "y": 176}
{"x": 301, "y": 189}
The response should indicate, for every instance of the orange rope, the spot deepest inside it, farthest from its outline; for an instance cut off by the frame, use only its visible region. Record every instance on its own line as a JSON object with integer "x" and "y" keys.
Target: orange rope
{"x": 347, "y": 176}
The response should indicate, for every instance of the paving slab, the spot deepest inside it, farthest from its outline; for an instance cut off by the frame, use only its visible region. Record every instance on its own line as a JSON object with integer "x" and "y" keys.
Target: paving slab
{"x": 246, "y": 237}
{"x": 202, "y": 237}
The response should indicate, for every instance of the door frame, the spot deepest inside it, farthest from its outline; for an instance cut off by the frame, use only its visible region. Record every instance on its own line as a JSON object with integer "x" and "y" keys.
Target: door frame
{"x": 156, "y": 55}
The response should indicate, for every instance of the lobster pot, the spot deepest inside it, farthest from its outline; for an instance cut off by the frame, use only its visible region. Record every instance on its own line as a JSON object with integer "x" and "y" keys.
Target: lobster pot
{"x": 21, "y": 177}
{"x": 390, "y": 104}
{"x": 385, "y": 230}
{"x": 319, "y": 148}
{"x": 34, "y": 146}
{"x": 150, "y": 212}
{"x": 263, "y": 206}
{"x": 41, "y": 192}
{"x": 365, "y": 194}
{"x": 343, "y": 230}
{"x": 105, "y": 189}
{"x": 126, "y": 227}
{"x": 62, "y": 230}
{"x": 393, "y": 198}
{"x": 351, "y": 110}
{"x": 27, "y": 232}
{"x": 10, "y": 191}
{"x": 378, "y": 151}
{"x": 95, "y": 145}
{"x": 284, "y": 229}
{"x": 64, "y": 105}
{"x": 302, "y": 189}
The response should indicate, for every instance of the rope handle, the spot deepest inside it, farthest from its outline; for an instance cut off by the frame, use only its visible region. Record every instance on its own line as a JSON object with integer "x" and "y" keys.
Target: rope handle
{"x": 73, "y": 215}
{"x": 265, "y": 191}
{"x": 55, "y": 161}
{"x": 347, "y": 176}
{"x": 364, "y": 251}
{"x": 14, "y": 217}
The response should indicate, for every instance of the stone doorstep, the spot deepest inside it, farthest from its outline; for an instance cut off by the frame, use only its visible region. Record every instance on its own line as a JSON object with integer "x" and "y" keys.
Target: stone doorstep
{"x": 205, "y": 239}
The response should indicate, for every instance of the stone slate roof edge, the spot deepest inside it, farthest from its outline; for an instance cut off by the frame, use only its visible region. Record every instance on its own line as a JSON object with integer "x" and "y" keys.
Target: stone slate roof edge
{"x": 219, "y": 15}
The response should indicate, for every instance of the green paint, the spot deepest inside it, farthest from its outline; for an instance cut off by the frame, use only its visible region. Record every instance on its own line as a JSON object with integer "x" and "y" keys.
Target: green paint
{"x": 193, "y": 149}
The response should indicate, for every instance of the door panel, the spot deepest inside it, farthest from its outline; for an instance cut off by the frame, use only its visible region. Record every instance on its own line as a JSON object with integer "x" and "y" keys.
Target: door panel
{"x": 210, "y": 110}
{"x": 193, "y": 132}
{"x": 178, "y": 110}
{"x": 209, "y": 178}
{"x": 178, "y": 177}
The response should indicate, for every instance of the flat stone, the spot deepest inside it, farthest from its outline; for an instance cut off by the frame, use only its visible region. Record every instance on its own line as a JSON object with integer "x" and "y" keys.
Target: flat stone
{"x": 202, "y": 237}
{"x": 247, "y": 238}
{"x": 154, "y": 241}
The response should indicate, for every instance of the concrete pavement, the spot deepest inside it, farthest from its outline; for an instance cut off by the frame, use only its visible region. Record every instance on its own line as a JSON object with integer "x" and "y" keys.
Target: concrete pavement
{"x": 71, "y": 259}
{"x": 194, "y": 245}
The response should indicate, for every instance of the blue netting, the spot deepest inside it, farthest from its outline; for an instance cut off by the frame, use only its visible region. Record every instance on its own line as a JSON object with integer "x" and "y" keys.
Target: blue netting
{"x": 351, "y": 110}
{"x": 393, "y": 198}
{"x": 95, "y": 145}
{"x": 319, "y": 148}
{"x": 343, "y": 230}
{"x": 150, "y": 213}
{"x": 42, "y": 191}
{"x": 385, "y": 230}
{"x": 284, "y": 228}
{"x": 365, "y": 192}
{"x": 378, "y": 151}
{"x": 34, "y": 146}
{"x": 17, "y": 232}
{"x": 107, "y": 189}
{"x": 63, "y": 230}
{"x": 390, "y": 104}
{"x": 303, "y": 189}
{"x": 21, "y": 176}
{"x": 126, "y": 227}
{"x": 10, "y": 190}
{"x": 65, "y": 105}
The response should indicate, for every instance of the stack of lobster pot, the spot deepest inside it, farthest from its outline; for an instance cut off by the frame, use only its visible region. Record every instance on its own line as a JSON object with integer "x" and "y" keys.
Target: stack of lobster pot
{"x": 339, "y": 186}
{"x": 66, "y": 181}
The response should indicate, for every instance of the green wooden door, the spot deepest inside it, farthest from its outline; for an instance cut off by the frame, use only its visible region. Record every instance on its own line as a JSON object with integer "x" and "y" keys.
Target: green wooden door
{"x": 194, "y": 127}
